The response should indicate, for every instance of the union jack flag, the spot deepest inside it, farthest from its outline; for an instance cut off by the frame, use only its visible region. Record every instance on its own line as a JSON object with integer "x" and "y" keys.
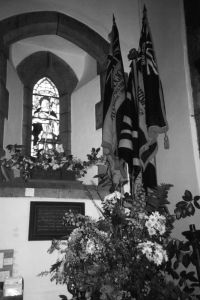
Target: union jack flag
{"x": 114, "y": 93}
{"x": 154, "y": 100}
{"x": 153, "y": 121}
{"x": 144, "y": 113}
{"x": 133, "y": 135}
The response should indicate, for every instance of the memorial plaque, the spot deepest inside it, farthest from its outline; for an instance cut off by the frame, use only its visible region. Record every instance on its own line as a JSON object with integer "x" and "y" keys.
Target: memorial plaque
{"x": 46, "y": 219}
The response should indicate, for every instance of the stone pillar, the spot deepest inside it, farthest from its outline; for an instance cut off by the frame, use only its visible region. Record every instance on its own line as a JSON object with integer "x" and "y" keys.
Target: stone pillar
{"x": 65, "y": 122}
{"x": 27, "y": 120}
{"x": 4, "y": 95}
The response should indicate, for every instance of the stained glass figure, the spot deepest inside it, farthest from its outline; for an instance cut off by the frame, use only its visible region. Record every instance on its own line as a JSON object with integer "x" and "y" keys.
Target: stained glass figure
{"x": 45, "y": 117}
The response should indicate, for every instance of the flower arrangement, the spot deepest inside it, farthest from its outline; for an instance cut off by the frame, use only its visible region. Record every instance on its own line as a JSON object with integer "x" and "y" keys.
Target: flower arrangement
{"x": 52, "y": 159}
{"x": 127, "y": 254}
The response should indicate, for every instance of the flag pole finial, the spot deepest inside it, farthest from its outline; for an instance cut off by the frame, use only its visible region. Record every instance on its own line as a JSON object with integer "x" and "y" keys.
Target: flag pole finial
{"x": 133, "y": 54}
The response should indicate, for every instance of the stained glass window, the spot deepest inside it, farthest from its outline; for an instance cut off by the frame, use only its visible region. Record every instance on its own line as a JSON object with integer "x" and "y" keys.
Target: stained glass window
{"x": 45, "y": 116}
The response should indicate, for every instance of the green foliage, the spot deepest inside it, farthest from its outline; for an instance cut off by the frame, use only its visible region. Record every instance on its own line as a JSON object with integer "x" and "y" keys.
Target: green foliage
{"x": 182, "y": 256}
{"x": 158, "y": 198}
{"x": 186, "y": 207}
{"x": 127, "y": 254}
{"x": 45, "y": 160}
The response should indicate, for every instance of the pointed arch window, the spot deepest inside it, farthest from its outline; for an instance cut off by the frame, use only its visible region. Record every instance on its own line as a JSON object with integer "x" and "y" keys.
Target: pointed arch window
{"x": 45, "y": 116}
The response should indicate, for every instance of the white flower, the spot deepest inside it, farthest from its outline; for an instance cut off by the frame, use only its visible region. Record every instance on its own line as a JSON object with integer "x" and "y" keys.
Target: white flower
{"x": 153, "y": 219}
{"x": 113, "y": 196}
{"x": 90, "y": 247}
{"x": 60, "y": 148}
{"x": 70, "y": 167}
{"x": 155, "y": 223}
{"x": 55, "y": 166}
{"x": 149, "y": 224}
{"x": 151, "y": 231}
{"x": 147, "y": 250}
{"x": 161, "y": 229}
{"x": 154, "y": 252}
{"x": 158, "y": 257}
{"x": 75, "y": 235}
{"x": 146, "y": 247}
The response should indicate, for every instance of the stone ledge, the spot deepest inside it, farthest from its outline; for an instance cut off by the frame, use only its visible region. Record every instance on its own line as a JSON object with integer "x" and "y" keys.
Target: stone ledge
{"x": 41, "y": 183}
{"x": 52, "y": 189}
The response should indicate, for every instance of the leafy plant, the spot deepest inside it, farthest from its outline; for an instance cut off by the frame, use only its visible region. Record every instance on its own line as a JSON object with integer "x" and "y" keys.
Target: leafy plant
{"x": 45, "y": 160}
{"x": 129, "y": 253}
{"x": 186, "y": 207}
{"x": 126, "y": 254}
{"x": 182, "y": 253}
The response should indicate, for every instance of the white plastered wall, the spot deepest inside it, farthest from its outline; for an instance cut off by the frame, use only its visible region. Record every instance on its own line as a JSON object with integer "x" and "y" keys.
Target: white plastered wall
{"x": 31, "y": 257}
{"x": 178, "y": 165}
{"x": 84, "y": 133}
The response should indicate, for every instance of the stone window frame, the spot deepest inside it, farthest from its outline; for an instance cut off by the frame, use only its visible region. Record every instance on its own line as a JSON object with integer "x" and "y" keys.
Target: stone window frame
{"x": 18, "y": 27}
{"x": 31, "y": 70}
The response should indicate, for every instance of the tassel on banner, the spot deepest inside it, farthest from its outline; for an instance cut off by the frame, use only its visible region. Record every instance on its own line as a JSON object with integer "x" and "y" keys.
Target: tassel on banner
{"x": 166, "y": 141}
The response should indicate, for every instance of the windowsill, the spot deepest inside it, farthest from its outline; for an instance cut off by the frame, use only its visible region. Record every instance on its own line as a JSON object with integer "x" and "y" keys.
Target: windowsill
{"x": 51, "y": 189}
{"x": 20, "y": 297}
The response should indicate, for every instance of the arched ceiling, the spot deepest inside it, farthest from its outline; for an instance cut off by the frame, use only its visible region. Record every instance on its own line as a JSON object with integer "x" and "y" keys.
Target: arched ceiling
{"x": 66, "y": 37}
{"x": 67, "y": 51}
{"x": 43, "y": 63}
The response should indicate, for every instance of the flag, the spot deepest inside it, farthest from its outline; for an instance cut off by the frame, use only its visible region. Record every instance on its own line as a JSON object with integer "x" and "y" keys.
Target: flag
{"x": 144, "y": 114}
{"x": 133, "y": 135}
{"x": 155, "y": 113}
{"x": 129, "y": 135}
{"x": 152, "y": 110}
{"x": 114, "y": 96}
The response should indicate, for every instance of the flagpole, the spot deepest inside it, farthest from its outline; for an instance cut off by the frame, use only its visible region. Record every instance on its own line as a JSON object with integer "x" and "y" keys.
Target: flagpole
{"x": 140, "y": 5}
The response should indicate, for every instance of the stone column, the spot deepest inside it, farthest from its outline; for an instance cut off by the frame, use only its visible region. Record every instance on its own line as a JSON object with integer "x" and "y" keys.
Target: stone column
{"x": 4, "y": 95}
{"x": 65, "y": 122}
{"x": 27, "y": 120}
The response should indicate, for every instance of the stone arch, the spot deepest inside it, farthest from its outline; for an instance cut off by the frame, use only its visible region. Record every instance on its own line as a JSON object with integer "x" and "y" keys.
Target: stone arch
{"x": 32, "y": 24}
{"x": 30, "y": 70}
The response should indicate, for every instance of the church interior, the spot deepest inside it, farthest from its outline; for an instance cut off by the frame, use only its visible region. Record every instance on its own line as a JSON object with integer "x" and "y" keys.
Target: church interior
{"x": 62, "y": 46}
